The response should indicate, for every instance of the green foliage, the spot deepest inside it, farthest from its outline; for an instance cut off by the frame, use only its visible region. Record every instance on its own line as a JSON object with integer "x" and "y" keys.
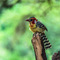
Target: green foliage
{"x": 15, "y": 37}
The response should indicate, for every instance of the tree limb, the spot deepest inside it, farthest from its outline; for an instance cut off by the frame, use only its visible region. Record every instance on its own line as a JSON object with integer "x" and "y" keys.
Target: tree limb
{"x": 38, "y": 47}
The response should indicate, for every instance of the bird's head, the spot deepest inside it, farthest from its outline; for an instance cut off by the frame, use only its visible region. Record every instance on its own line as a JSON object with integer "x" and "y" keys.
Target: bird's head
{"x": 32, "y": 20}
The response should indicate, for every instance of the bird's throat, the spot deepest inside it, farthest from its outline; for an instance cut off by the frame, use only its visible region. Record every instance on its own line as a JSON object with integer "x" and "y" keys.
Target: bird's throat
{"x": 32, "y": 25}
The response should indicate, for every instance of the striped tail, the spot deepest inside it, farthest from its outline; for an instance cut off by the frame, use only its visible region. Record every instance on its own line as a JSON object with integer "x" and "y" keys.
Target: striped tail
{"x": 45, "y": 41}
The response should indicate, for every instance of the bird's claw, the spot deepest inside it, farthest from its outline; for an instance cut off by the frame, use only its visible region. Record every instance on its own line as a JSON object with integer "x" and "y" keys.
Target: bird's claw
{"x": 36, "y": 33}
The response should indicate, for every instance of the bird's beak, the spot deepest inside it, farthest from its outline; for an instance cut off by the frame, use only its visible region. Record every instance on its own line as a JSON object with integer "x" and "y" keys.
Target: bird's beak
{"x": 27, "y": 20}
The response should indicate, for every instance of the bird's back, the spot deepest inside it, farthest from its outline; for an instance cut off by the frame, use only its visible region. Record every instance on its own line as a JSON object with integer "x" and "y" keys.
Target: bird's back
{"x": 40, "y": 25}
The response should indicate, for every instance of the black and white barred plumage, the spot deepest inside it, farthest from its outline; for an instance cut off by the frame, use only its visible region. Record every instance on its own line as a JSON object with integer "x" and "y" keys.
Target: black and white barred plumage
{"x": 45, "y": 41}
{"x": 40, "y": 25}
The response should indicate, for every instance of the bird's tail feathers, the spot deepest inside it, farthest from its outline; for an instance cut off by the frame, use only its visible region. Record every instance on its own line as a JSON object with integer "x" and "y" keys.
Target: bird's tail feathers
{"x": 45, "y": 41}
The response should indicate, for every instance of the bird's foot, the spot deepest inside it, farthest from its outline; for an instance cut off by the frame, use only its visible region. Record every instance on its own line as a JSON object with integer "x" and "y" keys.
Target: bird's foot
{"x": 36, "y": 33}
{"x": 40, "y": 33}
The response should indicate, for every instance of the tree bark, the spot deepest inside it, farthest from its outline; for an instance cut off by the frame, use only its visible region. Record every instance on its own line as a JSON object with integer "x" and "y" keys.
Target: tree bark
{"x": 38, "y": 47}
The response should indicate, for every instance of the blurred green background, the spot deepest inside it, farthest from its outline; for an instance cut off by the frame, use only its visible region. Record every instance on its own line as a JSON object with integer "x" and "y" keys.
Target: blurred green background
{"x": 15, "y": 37}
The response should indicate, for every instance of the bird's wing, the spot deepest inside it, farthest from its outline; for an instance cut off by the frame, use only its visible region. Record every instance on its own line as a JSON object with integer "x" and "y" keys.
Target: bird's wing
{"x": 40, "y": 25}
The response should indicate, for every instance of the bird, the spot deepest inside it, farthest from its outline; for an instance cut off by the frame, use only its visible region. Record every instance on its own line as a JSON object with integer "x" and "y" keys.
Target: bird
{"x": 37, "y": 26}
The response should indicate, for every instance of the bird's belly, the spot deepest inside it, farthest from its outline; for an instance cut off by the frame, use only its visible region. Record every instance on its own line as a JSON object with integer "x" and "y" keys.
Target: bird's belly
{"x": 37, "y": 29}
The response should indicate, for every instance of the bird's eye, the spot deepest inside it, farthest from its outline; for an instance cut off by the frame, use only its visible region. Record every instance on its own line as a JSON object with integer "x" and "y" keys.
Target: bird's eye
{"x": 31, "y": 19}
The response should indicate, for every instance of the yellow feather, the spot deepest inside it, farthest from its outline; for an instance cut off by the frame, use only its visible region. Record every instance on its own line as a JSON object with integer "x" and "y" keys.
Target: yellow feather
{"x": 34, "y": 29}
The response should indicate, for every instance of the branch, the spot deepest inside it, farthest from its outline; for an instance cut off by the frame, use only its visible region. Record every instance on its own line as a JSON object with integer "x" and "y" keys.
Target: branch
{"x": 38, "y": 47}
{"x": 56, "y": 56}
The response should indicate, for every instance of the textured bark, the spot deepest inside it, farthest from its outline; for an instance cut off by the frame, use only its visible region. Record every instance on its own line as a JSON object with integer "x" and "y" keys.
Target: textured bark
{"x": 38, "y": 47}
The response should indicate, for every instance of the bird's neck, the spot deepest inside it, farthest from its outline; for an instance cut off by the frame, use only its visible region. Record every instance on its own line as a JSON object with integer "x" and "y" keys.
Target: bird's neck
{"x": 32, "y": 25}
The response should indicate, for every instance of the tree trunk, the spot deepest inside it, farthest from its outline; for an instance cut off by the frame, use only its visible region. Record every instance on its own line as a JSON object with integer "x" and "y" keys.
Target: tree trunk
{"x": 38, "y": 47}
